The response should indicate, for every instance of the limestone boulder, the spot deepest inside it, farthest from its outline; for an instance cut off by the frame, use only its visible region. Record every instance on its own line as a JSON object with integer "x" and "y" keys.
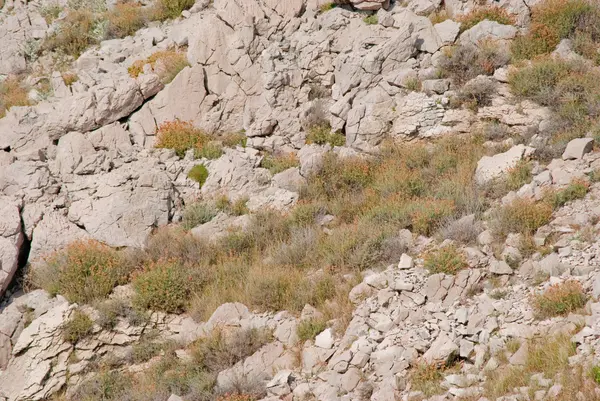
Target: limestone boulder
{"x": 11, "y": 240}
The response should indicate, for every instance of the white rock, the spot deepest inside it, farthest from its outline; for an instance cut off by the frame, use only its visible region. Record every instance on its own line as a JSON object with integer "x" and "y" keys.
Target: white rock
{"x": 406, "y": 262}
{"x": 325, "y": 339}
{"x": 491, "y": 167}
{"x": 577, "y": 148}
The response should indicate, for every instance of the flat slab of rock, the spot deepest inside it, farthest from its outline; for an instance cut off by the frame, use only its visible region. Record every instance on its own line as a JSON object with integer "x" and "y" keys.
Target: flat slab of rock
{"x": 11, "y": 240}
{"x": 491, "y": 167}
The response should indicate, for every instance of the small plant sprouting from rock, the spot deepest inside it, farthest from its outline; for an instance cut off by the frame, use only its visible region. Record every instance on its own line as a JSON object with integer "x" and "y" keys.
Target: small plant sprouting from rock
{"x": 575, "y": 190}
{"x": 198, "y": 213}
{"x": 77, "y": 327}
{"x": 278, "y": 163}
{"x": 308, "y": 329}
{"x": 165, "y": 63}
{"x": 447, "y": 260}
{"x": 198, "y": 173}
{"x": 371, "y": 19}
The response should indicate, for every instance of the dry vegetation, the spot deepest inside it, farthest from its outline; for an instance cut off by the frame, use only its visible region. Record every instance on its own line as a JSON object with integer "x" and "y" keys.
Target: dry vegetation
{"x": 559, "y": 300}
{"x": 493, "y": 13}
{"x": 166, "y": 63}
{"x": 13, "y": 92}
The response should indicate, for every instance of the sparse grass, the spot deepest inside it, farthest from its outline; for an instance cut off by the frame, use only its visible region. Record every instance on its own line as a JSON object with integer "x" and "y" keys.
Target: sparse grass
{"x": 521, "y": 216}
{"x": 198, "y": 173}
{"x": 278, "y": 163}
{"x": 554, "y": 20}
{"x": 464, "y": 62}
{"x": 165, "y": 63}
{"x": 198, "y": 213}
{"x": 413, "y": 84}
{"x": 575, "y": 190}
{"x": 427, "y": 378}
{"x": 69, "y": 78}
{"x": 235, "y": 208}
{"x": 145, "y": 349}
{"x": 447, "y": 260}
{"x": 547, "y": 355}
{"x": 83, "y": 272}
{"x": 180, "y": 136}
{"x": 518, "y": 175}
{"x": 439, "y": 16}
{"x": 371, "y": 19}
{"x": 211, "y": 150}
{"x": 77, "y": 327}
{"x": 308, "y": 329}
{"x": 13, "y": 92}
{"x": 493, "y": 13}
{"x": 559, "y": 300}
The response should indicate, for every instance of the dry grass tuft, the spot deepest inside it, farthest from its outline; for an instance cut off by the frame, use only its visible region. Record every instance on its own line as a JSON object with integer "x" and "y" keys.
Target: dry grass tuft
{"x": 166, "y": 63}
{"x": 447, "y": 260}
{"x": 492, "y": 13}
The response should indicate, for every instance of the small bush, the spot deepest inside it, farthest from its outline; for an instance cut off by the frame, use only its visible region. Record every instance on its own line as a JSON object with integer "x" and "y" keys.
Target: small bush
{"x": 233, "y": 139}
{"x": 109, "y": 312}
{"x": 163, "y": 286}
{"x": 278, "y": 163}
{"x": 124, "y": 19}
{"x": 327, "y": 7}
{"x": 575, "y": 190}
{"x": 83, "y": 272}
{"x": 413, "y": 84}
{"x": 77, "y": 327}
{"x": 165, "y": 63}
{"x": 595, "y": 373}
{"x": 463, "y": 230}
{"x": 518, "y": 176}
{"x": 170, "y": 9}
{"x": 521, "y": 216}
{"x": 447, "y": 260}
{"x": 144, "y": 350}
{"x": 69, "y": 78}
{"x": 198, "y": 213}
{"x": 494, "y": 13}
{"x": 559, "y": 300}
{"x": 179, "y": 136}
{"x": 308, "y": 329}
{"x": 198, "y": 173}
{"x": 12, "y": 93}
{"x": 465, "y": 62}
{"x": 371, "y": 19}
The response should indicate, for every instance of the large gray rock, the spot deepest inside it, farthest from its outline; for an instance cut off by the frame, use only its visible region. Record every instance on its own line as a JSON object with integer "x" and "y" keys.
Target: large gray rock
{"x": 490, "y": 30}
{"x": 54, "y": 232}
{"x": 491, "y": 167}
{"x": 577, "y": 148}
{"x": 11, "y": 240}
{"x": 441, "y": 349}
{"x": 370, "y": 5}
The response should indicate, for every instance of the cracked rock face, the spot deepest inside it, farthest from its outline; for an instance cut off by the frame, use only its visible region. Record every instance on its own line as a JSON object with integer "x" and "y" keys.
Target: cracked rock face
{"x": 11, "y": 240}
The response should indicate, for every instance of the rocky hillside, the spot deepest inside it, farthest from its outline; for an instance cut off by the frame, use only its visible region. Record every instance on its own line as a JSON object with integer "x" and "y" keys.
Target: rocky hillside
{"x": 243, "y": 200}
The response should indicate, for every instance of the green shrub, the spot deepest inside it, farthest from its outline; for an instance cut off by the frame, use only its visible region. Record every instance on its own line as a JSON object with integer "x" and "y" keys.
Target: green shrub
{"x": 371, "y": 19}
{"x": 237, "y": 208}
{"x": 163, "y": 286}
{"x": 105, "y": 385}
{"x": 308, "y": 329}
{"x": 83, "y": 272}
{"x": 327, "y": 7}
{"x": 477, "y": 93}
{"x": 493, "y": 13}
{"x": 198, "y": 173}
{"x": 554, "y": 20}
{"x": 447, "y": 260}
{"x": 321, "y": 135}
{"x": 77, "y": 327}
{"x": 576, "y": 190}
{"x": 144, "y": 350}
{"x": 595, "y": 373}
{"x": 278, "y": 163}
{"x": 179, "y": 136}
{"x": 559, "y": 300}
{"x": 198, "y": 213}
